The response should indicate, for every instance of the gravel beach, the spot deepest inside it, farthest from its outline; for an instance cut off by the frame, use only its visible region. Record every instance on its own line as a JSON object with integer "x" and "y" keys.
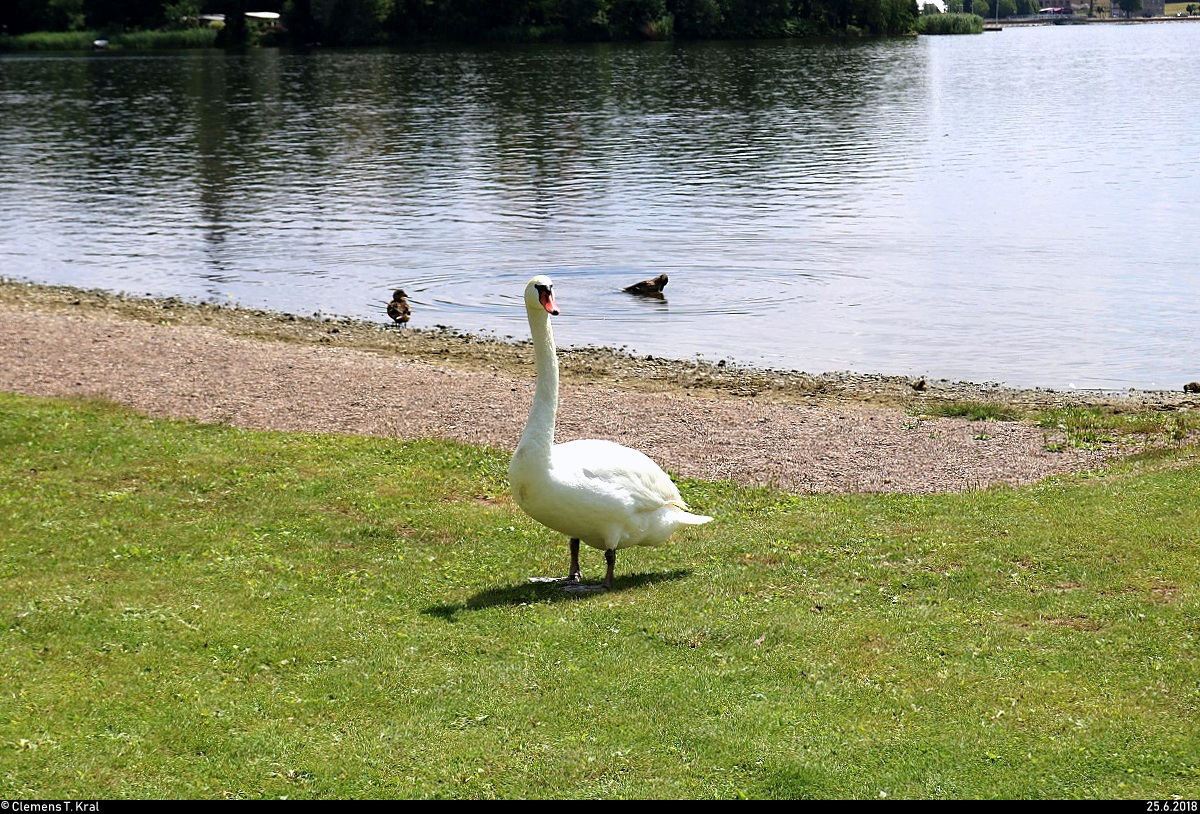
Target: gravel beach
{"x": 835, "y": 432}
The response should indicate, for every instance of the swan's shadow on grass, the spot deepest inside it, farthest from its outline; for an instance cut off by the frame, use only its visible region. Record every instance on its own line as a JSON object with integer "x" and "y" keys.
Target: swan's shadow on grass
{"x": 530, "y": 592}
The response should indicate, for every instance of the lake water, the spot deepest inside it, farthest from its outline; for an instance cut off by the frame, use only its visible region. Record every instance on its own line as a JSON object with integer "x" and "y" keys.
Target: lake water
{"x": 1019, "y": 207}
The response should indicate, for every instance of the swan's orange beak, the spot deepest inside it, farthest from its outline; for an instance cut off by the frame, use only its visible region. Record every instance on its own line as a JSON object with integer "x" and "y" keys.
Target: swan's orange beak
{"x": 546, "y": 298}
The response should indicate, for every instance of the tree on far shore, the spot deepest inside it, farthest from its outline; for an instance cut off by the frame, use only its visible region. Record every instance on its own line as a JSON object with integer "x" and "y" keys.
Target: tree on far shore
{"x": 373, "y": 22}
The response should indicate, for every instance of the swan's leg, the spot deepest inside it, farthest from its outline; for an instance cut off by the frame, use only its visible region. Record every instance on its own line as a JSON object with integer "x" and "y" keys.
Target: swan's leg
{"x": 574, "y": 575}
{"x": 573, "y": 584}
{"x": 610, "y": 557}
{"x": 571, "y": 581}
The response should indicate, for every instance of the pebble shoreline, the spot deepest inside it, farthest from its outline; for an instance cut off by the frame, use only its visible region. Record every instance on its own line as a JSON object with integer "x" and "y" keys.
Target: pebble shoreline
{"x": 592, "y": 364}
{"x": 841, "y": 432}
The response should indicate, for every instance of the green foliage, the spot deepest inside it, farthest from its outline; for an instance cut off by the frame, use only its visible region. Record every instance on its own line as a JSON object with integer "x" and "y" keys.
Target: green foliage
{"x": 181, "y": 15}
{"x": 116, "y": 16}
{"x": 1093, "y": 428}
{"x": 638, "y": 19}
{"x": 134, "y": 40}
{"x": 353, "y": 22}
{"x": 67, "y": 14}
{"x": 50, "y": 41}
{"x": 950, "y": 23}
{"x": 1084, "y": 427}
{"x": 973, "y": 410}
{"x": 374, "y": 22}
{"x": 980, "y": 8}
{"x": 698, "y": 19}
{"x": 177, "y": 39}
{"x": 199, "y": 612}
{"x": 890, "y": 17}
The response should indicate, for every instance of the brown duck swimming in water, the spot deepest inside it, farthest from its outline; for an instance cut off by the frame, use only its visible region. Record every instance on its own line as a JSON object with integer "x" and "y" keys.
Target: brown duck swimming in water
{"x": 399, "y": 309}
{"x": 654, "y": 286}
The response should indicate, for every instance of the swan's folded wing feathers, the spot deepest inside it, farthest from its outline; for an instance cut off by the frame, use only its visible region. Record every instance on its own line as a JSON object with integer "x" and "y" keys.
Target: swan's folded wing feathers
{"x": 614, "y": 468}
{"x": 645, "y": 492}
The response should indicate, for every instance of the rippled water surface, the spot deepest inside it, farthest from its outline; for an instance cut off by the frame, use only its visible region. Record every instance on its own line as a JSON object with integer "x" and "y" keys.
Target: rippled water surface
{"x": 1018, "y": 207}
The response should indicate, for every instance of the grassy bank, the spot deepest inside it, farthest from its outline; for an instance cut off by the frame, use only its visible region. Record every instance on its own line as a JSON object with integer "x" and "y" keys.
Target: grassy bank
{"x": 199, "y": 611}
{"x": 131, "y": 41}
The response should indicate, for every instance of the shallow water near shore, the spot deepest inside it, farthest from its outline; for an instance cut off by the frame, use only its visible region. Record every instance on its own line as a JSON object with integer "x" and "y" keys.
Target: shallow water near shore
{"x": 912, "y": 208}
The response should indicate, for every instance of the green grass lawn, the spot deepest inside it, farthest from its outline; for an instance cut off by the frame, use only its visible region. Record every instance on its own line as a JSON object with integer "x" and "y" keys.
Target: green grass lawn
{"x": 195, "y": 611}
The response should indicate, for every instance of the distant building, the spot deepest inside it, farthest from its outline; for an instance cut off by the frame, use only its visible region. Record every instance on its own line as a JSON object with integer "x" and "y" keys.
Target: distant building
{"x": 1150, "y": 8}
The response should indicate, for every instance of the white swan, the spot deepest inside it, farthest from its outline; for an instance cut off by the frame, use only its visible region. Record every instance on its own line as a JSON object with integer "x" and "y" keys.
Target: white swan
{"x": 598, "y": 492}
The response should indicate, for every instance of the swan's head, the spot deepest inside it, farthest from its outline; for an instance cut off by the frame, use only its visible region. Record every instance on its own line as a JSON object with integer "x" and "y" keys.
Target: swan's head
{"x": 539, "y": 295}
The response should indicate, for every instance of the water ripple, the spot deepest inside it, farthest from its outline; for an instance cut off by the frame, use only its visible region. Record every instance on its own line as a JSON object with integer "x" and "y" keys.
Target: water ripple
{"x": 882, "y": 207}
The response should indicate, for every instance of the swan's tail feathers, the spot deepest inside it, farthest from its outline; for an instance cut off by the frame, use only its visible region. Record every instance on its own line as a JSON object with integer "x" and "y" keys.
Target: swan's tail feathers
{"x": 687, "y": 517}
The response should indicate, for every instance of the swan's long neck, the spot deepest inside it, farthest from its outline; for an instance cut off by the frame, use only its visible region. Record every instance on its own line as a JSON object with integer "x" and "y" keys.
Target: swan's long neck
{"x": 538, "y": 435}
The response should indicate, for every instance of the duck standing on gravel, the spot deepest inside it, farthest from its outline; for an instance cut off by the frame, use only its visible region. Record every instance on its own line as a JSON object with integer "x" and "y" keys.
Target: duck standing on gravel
{"x": 399, "y": 309}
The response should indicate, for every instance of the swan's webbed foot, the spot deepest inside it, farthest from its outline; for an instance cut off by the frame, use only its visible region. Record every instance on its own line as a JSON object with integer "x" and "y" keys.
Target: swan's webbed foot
{"x": 579, "y": 588}
{"x": 575, "y": 586}
{"x": 573, "y": 581}
{"x": 571, "y": 584}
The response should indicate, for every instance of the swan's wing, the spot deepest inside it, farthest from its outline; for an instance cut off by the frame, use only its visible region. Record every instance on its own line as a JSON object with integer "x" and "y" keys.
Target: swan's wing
{"x": 618, "y": 472}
